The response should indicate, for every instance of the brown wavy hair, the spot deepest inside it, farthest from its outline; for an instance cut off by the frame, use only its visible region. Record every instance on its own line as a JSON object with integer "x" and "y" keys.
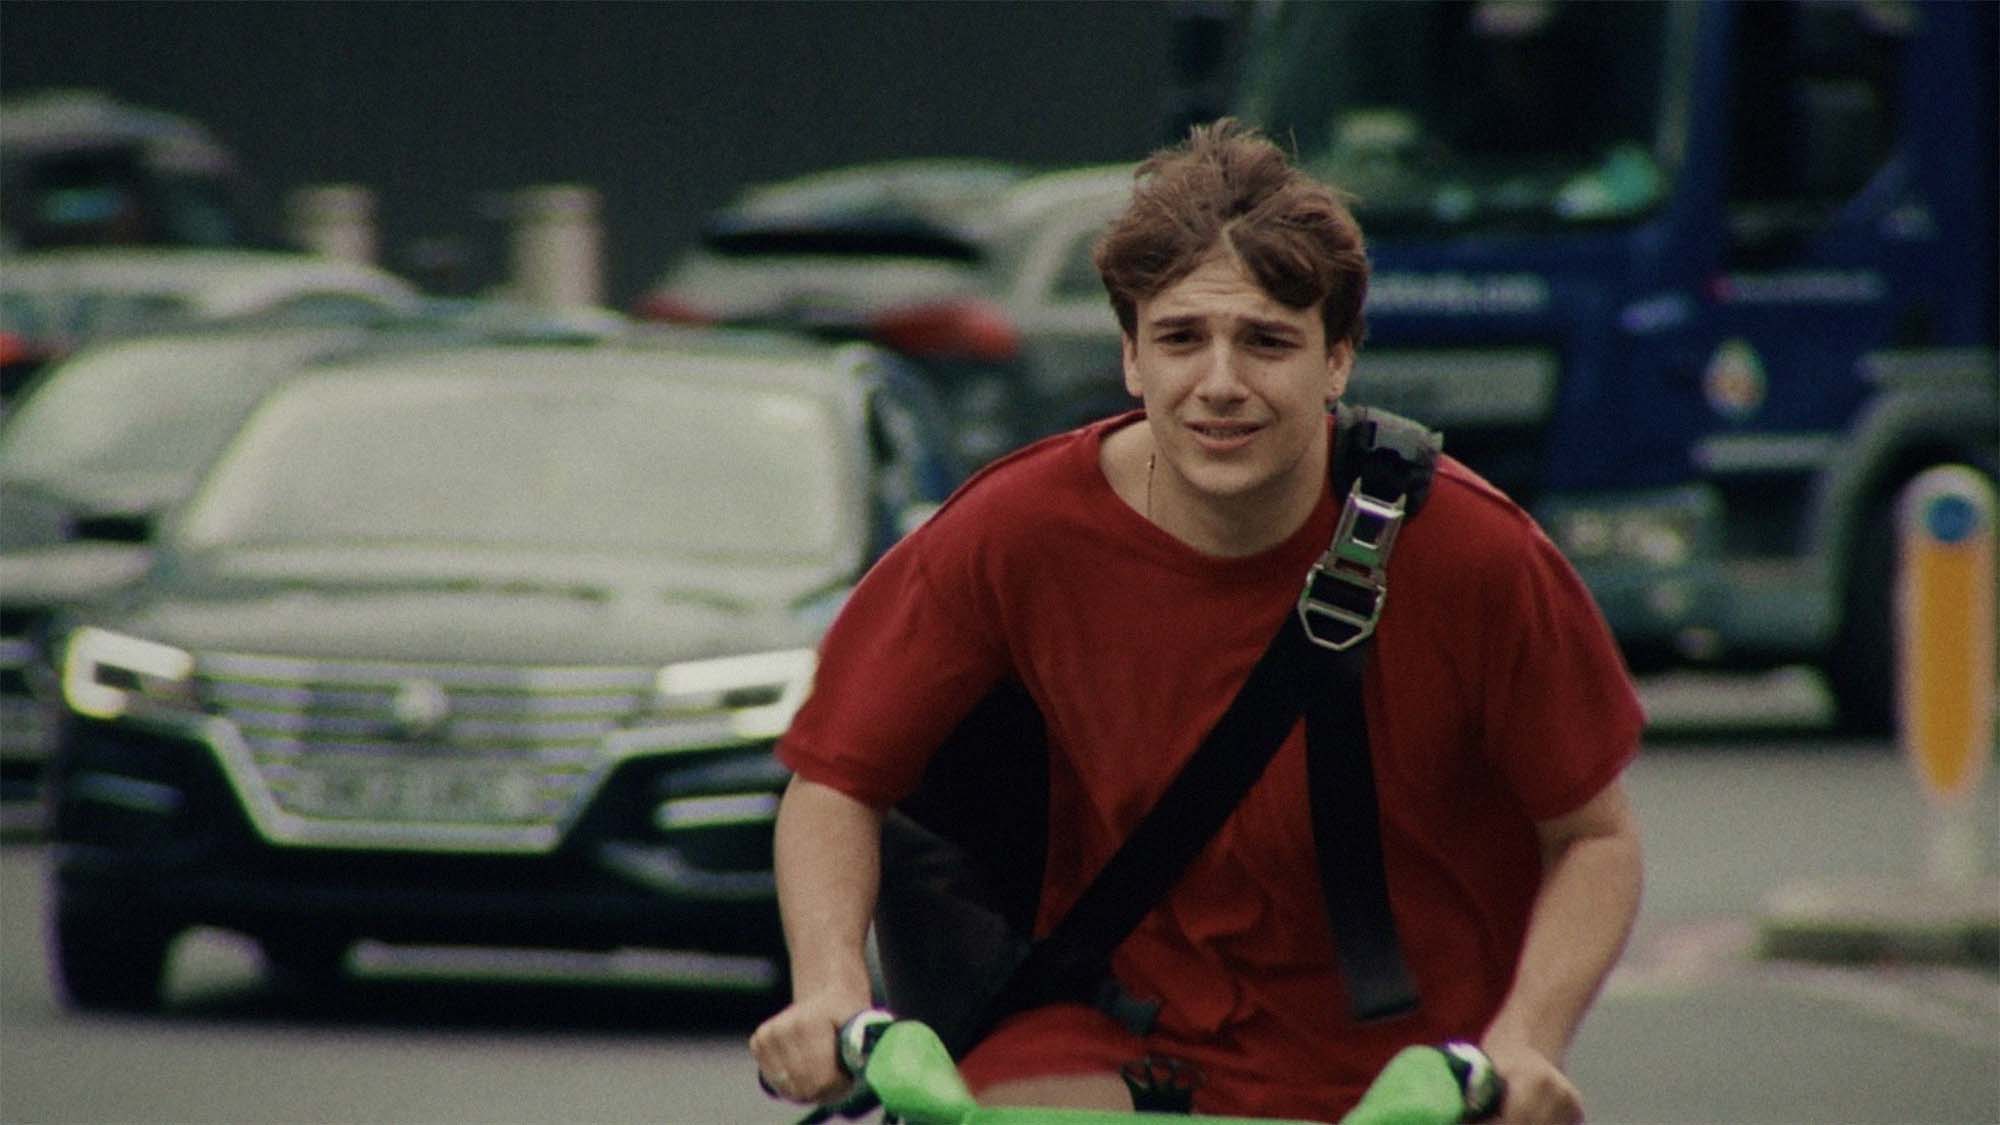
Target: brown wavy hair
{"x": 1229, "y": 187}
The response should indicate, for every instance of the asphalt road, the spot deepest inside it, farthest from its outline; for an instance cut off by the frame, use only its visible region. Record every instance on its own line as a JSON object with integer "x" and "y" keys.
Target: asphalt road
{"x": 1692, "y": 1028}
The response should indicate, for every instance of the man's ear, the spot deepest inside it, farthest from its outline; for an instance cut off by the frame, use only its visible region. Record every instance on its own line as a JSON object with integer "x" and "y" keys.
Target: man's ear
{"x": 1339, "y": 365}
{"x": 1128, "y": 351}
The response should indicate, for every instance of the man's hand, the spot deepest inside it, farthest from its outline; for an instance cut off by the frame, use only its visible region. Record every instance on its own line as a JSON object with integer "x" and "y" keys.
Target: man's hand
{"x": 1538, "y": 1092}
{"x": 828, "y": 847}
{"x": 798, "y": 1050}
{"x": 1590, "y": 894}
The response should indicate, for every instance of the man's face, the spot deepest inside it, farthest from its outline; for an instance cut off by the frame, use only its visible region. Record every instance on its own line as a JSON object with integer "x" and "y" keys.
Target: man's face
{"x": 1236, "y": 386}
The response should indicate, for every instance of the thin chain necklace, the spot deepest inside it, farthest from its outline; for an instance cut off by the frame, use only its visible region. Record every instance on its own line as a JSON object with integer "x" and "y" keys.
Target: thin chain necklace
{"x": 1149, "y": 487}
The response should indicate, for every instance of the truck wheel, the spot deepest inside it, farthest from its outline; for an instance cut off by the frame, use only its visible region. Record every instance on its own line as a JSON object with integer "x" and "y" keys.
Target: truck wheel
{"x": 111, "y": 962}
{"x": 1861, "y": 669}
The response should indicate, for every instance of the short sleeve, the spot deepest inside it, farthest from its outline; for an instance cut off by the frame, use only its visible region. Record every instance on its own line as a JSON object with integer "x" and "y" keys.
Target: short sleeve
{"x": 907, "y": 658}
{"x": 1560, "y": 717}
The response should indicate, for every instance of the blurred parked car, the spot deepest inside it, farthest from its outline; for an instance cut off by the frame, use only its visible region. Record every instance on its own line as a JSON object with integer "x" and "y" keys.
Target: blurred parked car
{"x": 979, "y": 272}
{"x": 80, "y": 168}
{"x": 834, "y": 248}
{"x": 1040, "y": 267}
{"x": 116, "y": 436}
{"x": 479, "y": 646}
{"x": 110, "y": 440}
{"x": 55, "y": 301}
{"x": 892, "y": 253}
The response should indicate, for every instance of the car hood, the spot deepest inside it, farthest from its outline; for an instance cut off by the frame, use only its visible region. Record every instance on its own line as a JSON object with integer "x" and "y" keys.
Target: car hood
{"x": 500, "y": 607}
{"x": 69, "y": 573}
{"x": 473, "y": 626}
{"x": 114, "y": 492}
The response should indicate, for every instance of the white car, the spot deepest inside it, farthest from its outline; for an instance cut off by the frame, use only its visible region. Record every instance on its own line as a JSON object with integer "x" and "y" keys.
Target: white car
{"x": 83, "y": 168}
{"x": 75, "y": 294}
{"x": 980, "y": 272}
{"x": 832, "y": 249}
{"x": 54, "y": 301}
{"x": 1041, "y": 238}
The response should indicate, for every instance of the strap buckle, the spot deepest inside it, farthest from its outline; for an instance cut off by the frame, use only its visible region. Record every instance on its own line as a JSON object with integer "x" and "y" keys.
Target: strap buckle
{"x": 1345, "y": 590}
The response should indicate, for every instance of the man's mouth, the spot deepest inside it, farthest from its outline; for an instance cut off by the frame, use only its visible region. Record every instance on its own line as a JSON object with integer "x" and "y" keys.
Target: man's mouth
{"x": 1223, "y": 435}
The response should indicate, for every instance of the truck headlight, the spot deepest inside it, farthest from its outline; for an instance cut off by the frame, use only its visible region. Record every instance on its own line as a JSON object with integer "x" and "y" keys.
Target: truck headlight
{"x": 1660, "y": 535}
{"x": 1660, "y": 541}
{"x": 107, "y": 674}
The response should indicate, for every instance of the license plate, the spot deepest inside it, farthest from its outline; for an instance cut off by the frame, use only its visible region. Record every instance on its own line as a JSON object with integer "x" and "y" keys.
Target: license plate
{"x": 429, "y": 792}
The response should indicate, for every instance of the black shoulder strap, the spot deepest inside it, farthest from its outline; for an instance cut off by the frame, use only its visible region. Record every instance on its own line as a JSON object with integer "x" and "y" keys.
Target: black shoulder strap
{"x": 1382, "y": 462}
{"x": 1392, "y": 461}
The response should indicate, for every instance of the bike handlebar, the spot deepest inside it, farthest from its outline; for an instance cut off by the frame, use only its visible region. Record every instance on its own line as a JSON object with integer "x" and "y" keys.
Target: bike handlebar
{"x": 905, "y": 1067}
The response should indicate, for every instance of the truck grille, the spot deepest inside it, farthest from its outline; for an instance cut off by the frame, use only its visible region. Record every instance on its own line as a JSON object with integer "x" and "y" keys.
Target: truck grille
{"x": 443, "y": 757}
{"x": 1493, "y": 405}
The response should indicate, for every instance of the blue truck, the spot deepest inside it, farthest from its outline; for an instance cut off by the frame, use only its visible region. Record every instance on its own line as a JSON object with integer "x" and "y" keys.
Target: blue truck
{"x": 1702, "y": 284}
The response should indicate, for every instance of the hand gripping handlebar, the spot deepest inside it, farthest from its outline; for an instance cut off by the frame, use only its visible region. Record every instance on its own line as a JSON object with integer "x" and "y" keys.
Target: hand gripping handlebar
{"x": 902, "y": 1063}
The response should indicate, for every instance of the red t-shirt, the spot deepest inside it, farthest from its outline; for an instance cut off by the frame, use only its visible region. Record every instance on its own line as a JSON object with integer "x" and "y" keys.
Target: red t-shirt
{"x": 1495, "y": 698}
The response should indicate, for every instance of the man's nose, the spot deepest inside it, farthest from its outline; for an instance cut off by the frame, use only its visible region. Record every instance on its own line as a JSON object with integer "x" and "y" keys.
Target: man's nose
{"x": 1221, "y": 373}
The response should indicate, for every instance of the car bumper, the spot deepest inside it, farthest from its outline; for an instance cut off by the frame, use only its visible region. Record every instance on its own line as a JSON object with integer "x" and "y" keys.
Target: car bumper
{"x": 146, "y": 823}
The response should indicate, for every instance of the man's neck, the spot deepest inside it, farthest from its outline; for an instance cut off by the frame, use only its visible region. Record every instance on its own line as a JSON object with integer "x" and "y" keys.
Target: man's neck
{"x": 1233, "y": 526}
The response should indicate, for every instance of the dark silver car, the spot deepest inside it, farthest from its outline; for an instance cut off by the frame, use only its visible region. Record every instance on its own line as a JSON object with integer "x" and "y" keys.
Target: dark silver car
{"x": 114, "y": 437}
{"x": 485, "y": 645}
{"x": 107, "y": 442}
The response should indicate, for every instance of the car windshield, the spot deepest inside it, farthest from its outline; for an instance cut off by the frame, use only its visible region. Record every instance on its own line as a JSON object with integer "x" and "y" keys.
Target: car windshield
{"x": 688, "y": 470}
{"x": 147, "y": 408}
{"x": 1483, "y": 113}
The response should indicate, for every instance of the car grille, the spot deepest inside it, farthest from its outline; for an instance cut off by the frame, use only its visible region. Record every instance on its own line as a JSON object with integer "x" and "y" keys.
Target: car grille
{"x": 443, "y": 757}
{"x": 27, "y": 726}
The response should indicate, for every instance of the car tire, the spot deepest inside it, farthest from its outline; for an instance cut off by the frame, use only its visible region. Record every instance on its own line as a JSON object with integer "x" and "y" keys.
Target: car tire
{"x": 111, "y": 962}
{"x": 304, "y": 965}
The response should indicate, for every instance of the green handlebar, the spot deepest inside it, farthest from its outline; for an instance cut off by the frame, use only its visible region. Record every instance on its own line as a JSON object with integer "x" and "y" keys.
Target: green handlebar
{"x": 1416, "y": 1088}
{"x": 914, "y": 1077}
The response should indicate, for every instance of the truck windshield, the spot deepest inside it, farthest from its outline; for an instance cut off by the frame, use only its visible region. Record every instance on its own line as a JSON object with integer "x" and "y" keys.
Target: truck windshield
{"x": 1470, "y": 113}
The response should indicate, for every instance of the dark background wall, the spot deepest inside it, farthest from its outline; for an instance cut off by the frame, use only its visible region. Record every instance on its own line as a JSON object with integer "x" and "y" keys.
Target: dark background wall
{"x": 665, "y": 108}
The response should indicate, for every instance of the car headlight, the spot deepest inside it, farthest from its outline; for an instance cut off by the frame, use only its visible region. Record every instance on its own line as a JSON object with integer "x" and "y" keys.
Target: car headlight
{"x": 107, "y": 674}
{"x": 753, "y": 696}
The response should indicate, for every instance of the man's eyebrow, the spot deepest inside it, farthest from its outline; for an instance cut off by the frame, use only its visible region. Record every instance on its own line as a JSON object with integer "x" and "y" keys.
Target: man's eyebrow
{"x": 1198, "y": 320}
{"x": 1275, "y": 327}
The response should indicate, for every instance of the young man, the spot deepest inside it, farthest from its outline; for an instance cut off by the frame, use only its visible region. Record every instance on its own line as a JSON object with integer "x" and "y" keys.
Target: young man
{"x": 1128, "y": 575}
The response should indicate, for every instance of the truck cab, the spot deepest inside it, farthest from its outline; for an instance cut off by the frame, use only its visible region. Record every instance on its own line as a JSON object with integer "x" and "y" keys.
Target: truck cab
{"x": 1702, "y": 285}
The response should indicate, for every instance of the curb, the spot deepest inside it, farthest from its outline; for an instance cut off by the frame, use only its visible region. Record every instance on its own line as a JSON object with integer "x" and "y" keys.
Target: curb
{"x": 1885, "y": 919}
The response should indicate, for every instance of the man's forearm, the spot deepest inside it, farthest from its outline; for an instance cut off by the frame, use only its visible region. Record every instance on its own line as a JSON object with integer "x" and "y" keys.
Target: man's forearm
{"x": 1589, "y": 898}
{"x": 828, "y": 861}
